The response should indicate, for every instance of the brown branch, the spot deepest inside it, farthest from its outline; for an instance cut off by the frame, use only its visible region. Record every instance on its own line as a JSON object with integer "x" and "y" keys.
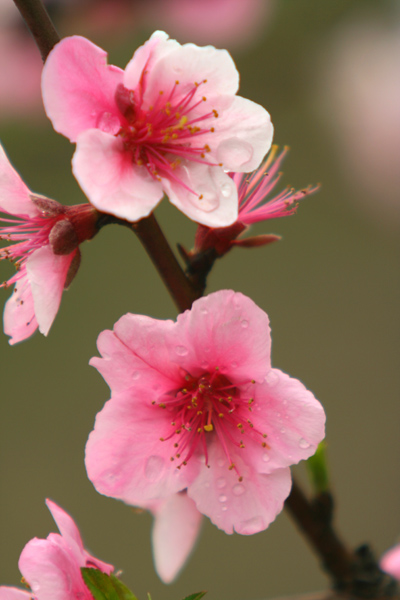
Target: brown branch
{"x": 40, "y": 25}
{"x": 178, "y": 285}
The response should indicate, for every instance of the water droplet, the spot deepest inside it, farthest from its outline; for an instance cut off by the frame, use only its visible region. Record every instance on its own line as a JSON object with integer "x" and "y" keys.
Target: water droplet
{"x": 207, "y": 484}
{"x": 223, "y": 498}
{"x": 207, "y": 349}
{"x": 135, "y": 375}
{"x": 266, "y": 457}
{"x": 154, "y": 467}
{"x": 251, "y": 526}
{"x": 204, "y": 311}
{"x": 108, "y": 123}
{"x": 238, "y": 489}
{"x": 283, "y": 430}
{"x": 204, "y": 364}
{"x": 272, "y": 378}
{"x": 226, "y": 190}
{"x": 34, "y": 585}
{"x": 221, "y": 462}
{"x": 221, "y": 483}
{"x": 245, "y": 324}
{"x": 181, "y": 350}
{"x": 304, "y": 444}
{"x": 224, "y": 508}
{"x": 234, "y": 364}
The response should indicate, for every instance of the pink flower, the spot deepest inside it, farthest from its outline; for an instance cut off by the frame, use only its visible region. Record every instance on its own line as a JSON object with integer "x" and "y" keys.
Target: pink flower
{"x": 46, "y": 252}
{"x": 390, "y": 562}
{"x": 196, "y": 406}
{"x": 170, "y": 123}
{"x": 51, "y": 567}
{"x": 254, "y": 206}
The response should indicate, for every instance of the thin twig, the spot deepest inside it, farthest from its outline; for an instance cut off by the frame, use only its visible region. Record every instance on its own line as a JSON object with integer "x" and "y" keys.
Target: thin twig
{"x": 40, "y": 25}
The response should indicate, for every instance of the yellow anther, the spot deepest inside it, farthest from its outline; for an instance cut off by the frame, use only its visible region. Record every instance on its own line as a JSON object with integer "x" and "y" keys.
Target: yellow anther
{"x": 209, "y": 427}
{"x": 204, "y": 98}
{"x": 231, "y": 466}
{"x": 212, "y": 129}
{"x": 221, "y": 415}
{"x": 215, "y": 113}
{"x": 207, "y": 148}
{"x": 161, "y": 405}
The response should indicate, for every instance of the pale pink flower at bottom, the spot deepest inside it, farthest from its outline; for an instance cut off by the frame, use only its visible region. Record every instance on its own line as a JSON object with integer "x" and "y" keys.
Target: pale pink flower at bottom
{"x": 51, "y": 567}
{"x": 390, "y": 562}
{"x": 196, "y": 406}
{"x": 45, "y": 238}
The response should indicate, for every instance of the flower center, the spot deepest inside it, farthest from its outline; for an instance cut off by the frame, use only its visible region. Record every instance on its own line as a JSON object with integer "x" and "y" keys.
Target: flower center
{"x": 209, "y": 405}
{"x": 167, "y": 132}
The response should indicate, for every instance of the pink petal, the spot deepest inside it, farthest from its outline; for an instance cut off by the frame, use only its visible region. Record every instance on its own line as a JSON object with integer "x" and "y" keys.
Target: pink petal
{"x": 14, "y": 195}
{"x": 144, "y": 57}
{"x": 12, "y": 593}
{"x": 47, "y": 273}
{"x": 19, "y": 314}
{"x": 292, "y": 419}
{"x": 51, "y": 570}
{"x": 72, "y": 537}
{"x": 390, "y": 562}
{"x": 243, "y": 133}
{"x": 213, "y": 201}
{"x": 245, "y": 507}
{"x": 213, "y": 69}
{"x": 226, "y": 330}
{"x": 175, "y": 531}
{"x": 112, "y": 182}
{"x": 136, "y": 353}
{"x": 125, "y": 457}
{"x": 78, "y": 87}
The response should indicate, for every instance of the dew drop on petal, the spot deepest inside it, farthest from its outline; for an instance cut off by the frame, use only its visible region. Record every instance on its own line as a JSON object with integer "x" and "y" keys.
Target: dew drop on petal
{"x": 226, "y": 190}
{"x": 272, "y": 378}
{"x": 108, "y": 123}
{"x": 222, "y": 498}
{"x": 35, "y": 586}
{"x": 207, "y": 349}
{"x": 238, "y": 489}
{"x": 224, "y": 508}
{"x": 283, "y": 430}
{"x": 304, "y": 444}
{"x": 135, "y": 375}
{"x": 204, "y": 311}
{"x": 154, "y": 468}
{"x": 181, "y": 350}
{"x": 221, "y": 483}
{"x": 234, "y": 364}
{"x": 204, "y": 364}
{"x": 251, "y": 526}
{"x": 266, "y": 457}
{"x": 245, "y": 324}
{"x": 221, "y": 462}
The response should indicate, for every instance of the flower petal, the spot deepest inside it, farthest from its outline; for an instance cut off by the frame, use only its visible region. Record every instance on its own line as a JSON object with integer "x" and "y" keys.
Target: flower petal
{"x": 213, "y": 200}
{"x": 214, "y": 70}
{"x": 19, "y": 313}
{"x": 109, "y": 178}
{"x": 225, "y": 330}
{"x": 15, "y": 196}
{"x": 246, "y": 506}
{"x": 51, "y": 570}
{"x": 12, "y": 593}
{"x": 47, "y": 273}
{"x": 78, "y": 87}
{"x": 135, "y": 465}
{"x": 292, "y": 419}
{"x": 175, "y": 531}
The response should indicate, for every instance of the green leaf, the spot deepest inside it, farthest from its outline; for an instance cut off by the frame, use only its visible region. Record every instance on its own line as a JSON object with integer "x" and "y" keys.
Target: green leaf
{"x": 105, "y": 587}
{"x": 195, "y": 596}
{"x": 318, "y": 469}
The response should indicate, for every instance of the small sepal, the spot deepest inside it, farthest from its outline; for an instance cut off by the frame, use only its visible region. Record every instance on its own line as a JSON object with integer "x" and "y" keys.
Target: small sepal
{"x": 105, "y": 587}
{"x": 195, "y": 596}
{"x": 318, "y": 469}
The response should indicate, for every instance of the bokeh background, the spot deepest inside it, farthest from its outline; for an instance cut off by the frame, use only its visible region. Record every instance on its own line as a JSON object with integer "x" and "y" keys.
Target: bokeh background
{"x": 329, "y": 73}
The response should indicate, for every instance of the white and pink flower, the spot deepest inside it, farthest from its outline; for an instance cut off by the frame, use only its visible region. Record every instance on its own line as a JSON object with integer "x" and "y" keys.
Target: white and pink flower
{"x": 170, "y": 123}
{"x": 51, "y": 567}
{"x": 196, "y": 406}
{"x": 45, "y": 240}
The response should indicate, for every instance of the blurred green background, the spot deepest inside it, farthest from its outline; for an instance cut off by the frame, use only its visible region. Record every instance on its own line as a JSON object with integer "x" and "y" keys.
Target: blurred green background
{"x": 330, "y": 287}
